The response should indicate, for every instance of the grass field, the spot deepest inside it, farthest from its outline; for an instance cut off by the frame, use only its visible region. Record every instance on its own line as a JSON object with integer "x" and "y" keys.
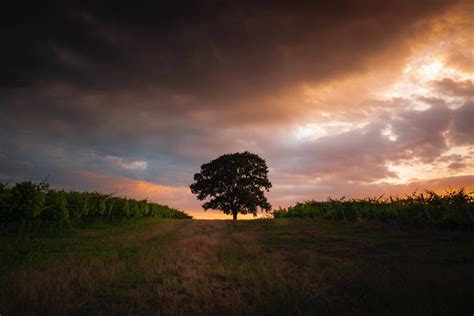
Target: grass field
{"x": 275, "y": 266}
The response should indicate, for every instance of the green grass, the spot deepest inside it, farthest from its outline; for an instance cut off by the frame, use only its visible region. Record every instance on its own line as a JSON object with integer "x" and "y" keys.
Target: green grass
{"x": 277, "y": 266}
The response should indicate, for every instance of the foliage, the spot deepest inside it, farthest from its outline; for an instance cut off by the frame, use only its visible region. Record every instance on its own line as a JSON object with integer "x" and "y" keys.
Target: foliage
{"x": 27, "y": 202}
{"x": 234, "y": 184}
{"x": 24, "y": 201}
{"x": 454, "y": 209}
{"x": 55, "y": 207}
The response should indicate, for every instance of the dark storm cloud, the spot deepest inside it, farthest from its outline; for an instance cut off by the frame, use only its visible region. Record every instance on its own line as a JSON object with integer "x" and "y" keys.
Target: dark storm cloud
{"x": 111, "y": 76}
{"x": 200, "y": 47}
{"x": 150, "y": 91}
{"x": 174, "y": 147}
{"x": 32, "y": 31}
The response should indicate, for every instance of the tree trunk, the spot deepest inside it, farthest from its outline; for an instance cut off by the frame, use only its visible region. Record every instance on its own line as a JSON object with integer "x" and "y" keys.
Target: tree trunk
{"x": 235, "y": 215}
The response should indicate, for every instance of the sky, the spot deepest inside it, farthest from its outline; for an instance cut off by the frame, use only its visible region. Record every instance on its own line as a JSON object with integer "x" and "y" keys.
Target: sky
{"x": 341, "y": 98}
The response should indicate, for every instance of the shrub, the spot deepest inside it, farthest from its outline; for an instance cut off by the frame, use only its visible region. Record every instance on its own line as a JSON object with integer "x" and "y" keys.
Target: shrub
{"x": 28, "y": 201}
{"x": 56, "y": 207}
{"x": 25, "y": 201}
{"x": 454, "y": 209}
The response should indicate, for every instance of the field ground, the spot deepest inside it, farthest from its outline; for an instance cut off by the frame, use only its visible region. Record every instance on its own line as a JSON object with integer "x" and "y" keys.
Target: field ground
{"x": 247, "y": 267}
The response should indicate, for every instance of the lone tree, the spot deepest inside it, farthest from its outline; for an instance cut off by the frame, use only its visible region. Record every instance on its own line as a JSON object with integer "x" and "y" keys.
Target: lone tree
{"x": 234, "y": 183}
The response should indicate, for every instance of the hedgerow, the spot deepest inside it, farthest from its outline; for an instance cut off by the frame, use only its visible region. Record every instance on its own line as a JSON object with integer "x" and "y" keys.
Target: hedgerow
{"x": 28, "y": 201}
{"x": 454, "y": 209}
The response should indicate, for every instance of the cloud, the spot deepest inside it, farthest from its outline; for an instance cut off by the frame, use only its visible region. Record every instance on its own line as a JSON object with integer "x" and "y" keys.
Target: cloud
{"x": 364, "y": 153}
{"x": 132, "y": 165}
{"x": 226, "y": 48}
{"x": 146, "y": 94}
{"x": 462, "y": 127}
{"x": 284, "y": 196}
{"x": 450, "y": 87}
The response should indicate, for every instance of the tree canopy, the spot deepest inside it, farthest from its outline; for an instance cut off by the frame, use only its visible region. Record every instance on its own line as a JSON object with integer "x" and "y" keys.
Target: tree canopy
{"x": 233, "y": 183}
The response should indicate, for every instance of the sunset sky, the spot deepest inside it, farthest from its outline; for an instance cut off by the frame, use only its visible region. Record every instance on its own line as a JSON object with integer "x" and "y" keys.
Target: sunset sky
{"x": 341, "y": 98}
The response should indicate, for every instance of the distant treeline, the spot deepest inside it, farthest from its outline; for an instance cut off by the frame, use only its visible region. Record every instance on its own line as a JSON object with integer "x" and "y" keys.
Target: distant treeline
{"x": 454, "y": 209}
{"x": 28, "y": 201}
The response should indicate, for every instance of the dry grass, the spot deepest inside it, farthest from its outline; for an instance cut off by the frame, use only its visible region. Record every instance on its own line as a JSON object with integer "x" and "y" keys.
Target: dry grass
{"x": 182, "y": 267}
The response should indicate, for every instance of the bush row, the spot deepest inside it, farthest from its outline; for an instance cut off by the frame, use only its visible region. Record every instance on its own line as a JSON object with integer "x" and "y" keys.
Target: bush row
{"x": 29, "y": 201}
{"x": 454, "y": 209}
